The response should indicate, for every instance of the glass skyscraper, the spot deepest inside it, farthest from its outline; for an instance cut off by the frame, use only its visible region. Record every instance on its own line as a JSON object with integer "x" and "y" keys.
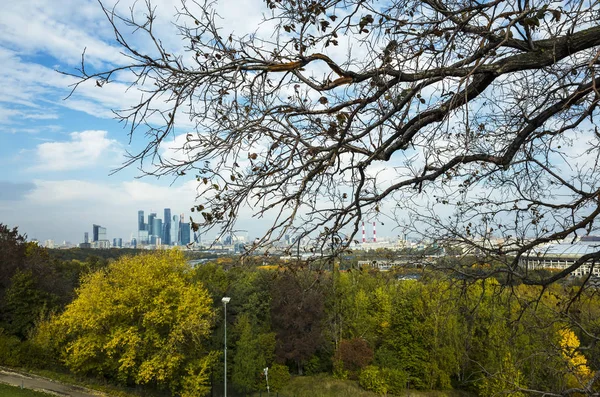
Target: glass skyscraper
{"x": 156, "y": 227}
{"x": 184, "y": 233}
{"x": 141, "y": 225}
{"x": 102, "y": 234}
{"x": 175, "y": 230}
{"x": 98, "y": 233}
{"x": 151, "y": 230}
{"x": 95, "y": 232}
{"x": 143, "y": 237}
{"x": 166, "y": 237}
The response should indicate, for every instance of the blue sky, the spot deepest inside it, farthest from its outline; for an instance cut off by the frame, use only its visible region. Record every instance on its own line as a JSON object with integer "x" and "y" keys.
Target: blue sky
{"x": 56, "y": 154}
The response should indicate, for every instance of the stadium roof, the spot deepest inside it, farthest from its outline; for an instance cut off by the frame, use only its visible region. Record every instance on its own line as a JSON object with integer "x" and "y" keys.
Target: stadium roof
{"x": 566, "y": 250}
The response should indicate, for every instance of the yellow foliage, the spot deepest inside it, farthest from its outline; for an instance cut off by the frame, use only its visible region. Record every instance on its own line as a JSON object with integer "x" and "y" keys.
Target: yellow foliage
{"x": 143, "y": 320}
{"x": 269, "y": 267}
{"x": 579, "y": 372}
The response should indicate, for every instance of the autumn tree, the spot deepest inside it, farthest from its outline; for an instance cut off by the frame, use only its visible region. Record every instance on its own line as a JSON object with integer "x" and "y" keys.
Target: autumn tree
{"x": 140, "y": 321}
{"x": 461, "y": 120}
{"x": 297, "y": 314}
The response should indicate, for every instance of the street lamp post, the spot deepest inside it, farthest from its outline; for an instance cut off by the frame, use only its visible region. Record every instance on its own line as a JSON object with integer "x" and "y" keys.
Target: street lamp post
{"x": 266, "y": 372}
{"x": 225, "y": 301}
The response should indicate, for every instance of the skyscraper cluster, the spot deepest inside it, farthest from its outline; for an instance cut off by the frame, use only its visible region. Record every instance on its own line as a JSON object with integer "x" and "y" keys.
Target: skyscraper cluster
{"x": 167, "y": 231}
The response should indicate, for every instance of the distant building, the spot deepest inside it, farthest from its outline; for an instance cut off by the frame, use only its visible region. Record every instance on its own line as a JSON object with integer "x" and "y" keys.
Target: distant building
{"x": 133, "y": 243}
{"x": 166, "y": 237}
{"x": 141, "y": 225}
{"x": 49, "y": 244}
{"x": 86, "y": 238}
{"x": 157, "y": 226}
{"x": 184, "y": 233}
{"x": 102, "y": 234}
{"x": 562, "y": 255}
{"x": 101, "y": 244}
{"x": 114, "y": 242}
{"x": 98, "y": 233}
{"x": 143, "y": 237}
{"x": 152, "y": 231}
{"x": 95, "y": 232}
{"x": 175, "y": 230}
{"x": 120, "y": 242}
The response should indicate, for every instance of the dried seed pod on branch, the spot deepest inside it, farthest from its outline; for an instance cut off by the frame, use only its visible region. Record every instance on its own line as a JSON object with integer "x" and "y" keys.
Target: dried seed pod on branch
{"x": 459, "y": 120}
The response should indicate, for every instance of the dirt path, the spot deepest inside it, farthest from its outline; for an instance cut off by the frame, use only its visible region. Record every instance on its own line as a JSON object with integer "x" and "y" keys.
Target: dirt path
{"x": 38, "y": 383}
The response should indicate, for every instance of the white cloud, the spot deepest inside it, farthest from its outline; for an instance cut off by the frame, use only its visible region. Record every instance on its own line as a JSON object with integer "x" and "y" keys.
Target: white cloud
{"x": 60, "y": 30}
{"x": 6, "y": 115}
{"x": 85, "y": 149}
{"x": 65, "y": 209}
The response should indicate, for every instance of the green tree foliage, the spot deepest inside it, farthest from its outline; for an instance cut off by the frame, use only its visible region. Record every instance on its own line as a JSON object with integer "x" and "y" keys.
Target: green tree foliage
{"x": 92, "y": 254}
{"x": 253, "y": 353}
{"x": 24, "y": 302}
{"x": 279, "y": 376}
{"x": 140, "y": 321}
{"x": 508, "y": 381}
{"x": 130, "y": 324}
{"x": 31, "y": 282}
{"x": 373, "y": 379}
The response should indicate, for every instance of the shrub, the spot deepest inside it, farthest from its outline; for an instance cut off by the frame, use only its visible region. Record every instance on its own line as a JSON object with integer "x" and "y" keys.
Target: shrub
{"x": 9, "y": 350}
{"x": 338, "y": 370}
{"x": 279, "y": 376}
{"x": 371, "y": 378}
{"x": 355, "y": 354}
{"x": 395, "y": 380}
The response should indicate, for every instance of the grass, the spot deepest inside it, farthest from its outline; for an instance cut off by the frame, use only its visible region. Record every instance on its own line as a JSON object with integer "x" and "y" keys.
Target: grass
{"x": 12, "y": 391}
{"x": 322, "y": 386}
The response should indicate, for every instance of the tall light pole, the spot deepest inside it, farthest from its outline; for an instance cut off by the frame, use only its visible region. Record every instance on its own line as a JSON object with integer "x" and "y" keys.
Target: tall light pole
{"x": 225, "y": 301}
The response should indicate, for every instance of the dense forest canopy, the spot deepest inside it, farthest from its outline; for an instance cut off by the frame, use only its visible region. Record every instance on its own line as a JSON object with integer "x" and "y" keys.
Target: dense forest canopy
{"x": 154, "y": 322}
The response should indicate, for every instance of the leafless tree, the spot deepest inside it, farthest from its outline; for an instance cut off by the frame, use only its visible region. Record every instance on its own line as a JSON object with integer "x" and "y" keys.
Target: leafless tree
{"x": 459, "y": 119}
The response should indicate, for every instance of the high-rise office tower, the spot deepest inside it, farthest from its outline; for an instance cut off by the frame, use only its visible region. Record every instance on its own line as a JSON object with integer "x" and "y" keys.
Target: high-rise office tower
{"x": 166, "y": 238}
{"x": 99, "y": 237}
{"x": 151, "y": 230}
{"x": 120, "y": 242}
{"x": 181, "y": 227}
{"x": 102, "y": 234}
{"x": 95, "y": 232}
{"x": 141, "y": 225}
{"x": 185, "y": 233}
{"x": 175, "y": 230}
{"x": 86, "y": 237}
{"x": 143, "y": 237}
{"x": 114, "y": 242}
{"x": 157, "y": 226}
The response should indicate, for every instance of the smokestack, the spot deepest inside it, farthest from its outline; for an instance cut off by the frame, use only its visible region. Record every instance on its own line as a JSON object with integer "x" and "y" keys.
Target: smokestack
{"x": 364, "y": 234}
{"x": 374, "y": 233}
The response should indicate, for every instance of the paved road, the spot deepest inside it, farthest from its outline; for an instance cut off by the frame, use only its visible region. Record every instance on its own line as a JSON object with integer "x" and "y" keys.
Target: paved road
{"x": 46, "y": 385}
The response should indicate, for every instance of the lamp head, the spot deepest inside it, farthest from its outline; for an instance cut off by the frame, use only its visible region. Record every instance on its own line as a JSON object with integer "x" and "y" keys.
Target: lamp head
{"x": 225, "y": 300}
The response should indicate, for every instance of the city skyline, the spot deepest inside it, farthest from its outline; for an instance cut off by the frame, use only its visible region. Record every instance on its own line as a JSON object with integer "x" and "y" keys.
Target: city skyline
{"x": 56, "y": 155}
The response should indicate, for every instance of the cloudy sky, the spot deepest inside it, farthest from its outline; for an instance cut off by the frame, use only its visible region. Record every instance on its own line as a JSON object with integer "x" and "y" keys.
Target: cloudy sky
{"x": 55, "y": 154}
